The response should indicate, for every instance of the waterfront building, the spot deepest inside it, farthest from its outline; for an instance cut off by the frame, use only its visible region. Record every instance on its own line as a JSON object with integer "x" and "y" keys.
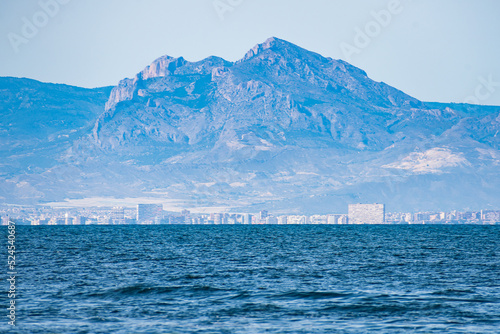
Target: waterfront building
{"x": 318, "y": 219}
{"x": 247, "y": 219}
{"x": 343, "y": 220}
{"x": 337, "y": 219}
{"x": 271, "y": 220}
{"x": 366, "y": 213}
{"x": 282, "y": 220}
{"x": 118, "y": 215}
{"x": 490, "y": 216}
{"x": 147, "y": 213}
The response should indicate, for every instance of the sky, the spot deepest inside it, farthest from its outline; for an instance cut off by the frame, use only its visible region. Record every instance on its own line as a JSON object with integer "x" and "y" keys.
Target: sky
{"x": 434, "y": 50}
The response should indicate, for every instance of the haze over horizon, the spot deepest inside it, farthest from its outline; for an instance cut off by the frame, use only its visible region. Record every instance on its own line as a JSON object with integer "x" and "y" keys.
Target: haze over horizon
{"x": 423, "y": 48}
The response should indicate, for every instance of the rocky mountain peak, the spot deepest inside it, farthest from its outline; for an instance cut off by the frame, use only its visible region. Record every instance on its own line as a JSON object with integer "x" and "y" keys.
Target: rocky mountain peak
{"x": 275, "y": 46}
{"x": 161, "y": 67}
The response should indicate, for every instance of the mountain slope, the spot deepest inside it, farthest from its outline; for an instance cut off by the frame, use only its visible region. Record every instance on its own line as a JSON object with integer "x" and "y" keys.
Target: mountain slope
{"x": 41, "y": 121}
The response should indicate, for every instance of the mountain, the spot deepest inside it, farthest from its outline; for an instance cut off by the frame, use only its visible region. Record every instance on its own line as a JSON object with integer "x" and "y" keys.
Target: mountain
{"x": 40, "y": 121}
{"x": 39, "y": 124}
{"x": 283, "y": 128}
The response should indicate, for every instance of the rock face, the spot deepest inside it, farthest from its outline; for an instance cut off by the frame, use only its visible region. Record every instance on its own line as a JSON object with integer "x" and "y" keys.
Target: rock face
{"x": 284, "y": 129}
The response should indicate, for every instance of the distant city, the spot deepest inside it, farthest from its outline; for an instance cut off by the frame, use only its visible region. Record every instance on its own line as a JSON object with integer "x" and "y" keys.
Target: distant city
{"x": 154, "y": 214}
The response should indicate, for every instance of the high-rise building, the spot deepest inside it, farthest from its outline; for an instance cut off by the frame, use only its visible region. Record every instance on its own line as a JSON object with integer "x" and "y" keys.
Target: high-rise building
{"x": 271, "y": 220}
{"x": 247, "y": 219}
{"x": 343, "y": 220}
{"x": 318, "y": 219}
{"x": 147, "y": 213}
{"x": 490, "y": 216}
{"x": 67, "y": 219}
{"x": 118, "y": 215}
{"x": 336, "y": 219}
{"x": 80, "y": 220}
{"x": 282, "y": 220}
{"x": 5, "y": 220}
{"x": 366, "y": 213}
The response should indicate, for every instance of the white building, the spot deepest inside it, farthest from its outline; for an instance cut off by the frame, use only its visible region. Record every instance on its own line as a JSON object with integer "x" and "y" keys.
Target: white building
{"x": 337, "y": 219}
{"x": 366, "y": 213}
{"x": 147, "y": 213}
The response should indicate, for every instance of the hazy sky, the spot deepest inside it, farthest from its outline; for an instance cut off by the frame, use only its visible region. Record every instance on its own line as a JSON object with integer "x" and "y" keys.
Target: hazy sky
{"x": 434, "y": 50}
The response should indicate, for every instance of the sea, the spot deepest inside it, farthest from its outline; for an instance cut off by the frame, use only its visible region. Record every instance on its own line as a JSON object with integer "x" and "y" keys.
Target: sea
{"x": 255, "y": 279}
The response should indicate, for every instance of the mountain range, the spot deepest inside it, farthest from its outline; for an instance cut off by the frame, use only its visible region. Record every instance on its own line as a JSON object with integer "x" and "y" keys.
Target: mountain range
{"x": 282, "y": 129}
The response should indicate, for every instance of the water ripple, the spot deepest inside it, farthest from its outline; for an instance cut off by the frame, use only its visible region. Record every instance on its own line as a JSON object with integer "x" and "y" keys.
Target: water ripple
{"x": 255, "y": 279}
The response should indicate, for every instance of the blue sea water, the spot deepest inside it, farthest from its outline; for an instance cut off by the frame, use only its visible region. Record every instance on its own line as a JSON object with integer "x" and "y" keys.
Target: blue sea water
{"x": 256, "y": 279}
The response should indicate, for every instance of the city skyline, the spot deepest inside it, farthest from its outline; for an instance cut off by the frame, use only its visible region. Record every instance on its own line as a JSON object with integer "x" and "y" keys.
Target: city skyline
{"x": 153, "y": 214}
